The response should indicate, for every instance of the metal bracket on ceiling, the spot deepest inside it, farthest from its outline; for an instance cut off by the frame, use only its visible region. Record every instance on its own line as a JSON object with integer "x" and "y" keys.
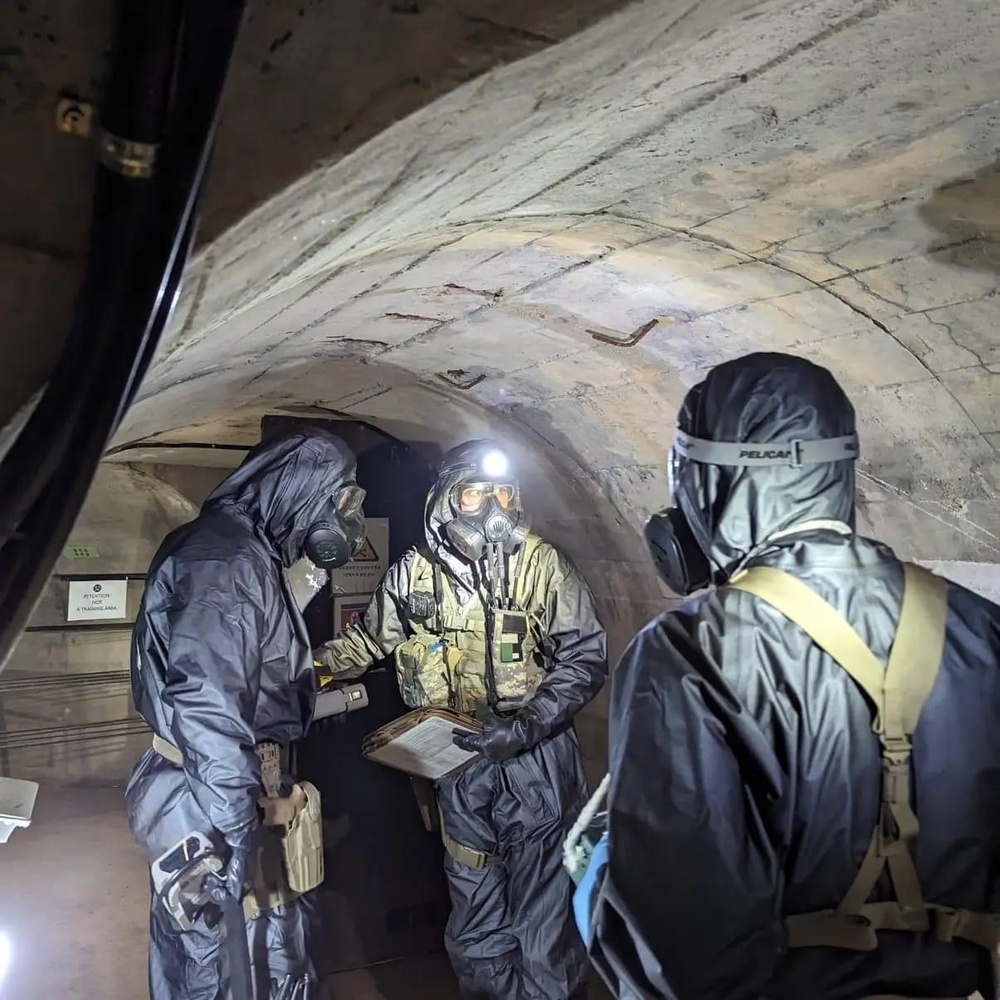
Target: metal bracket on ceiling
{"x": 74, "y": 117}
{"x": 126, "y": 157}
{"x": 460, "y": 378}
{"x": 633, "y": 338}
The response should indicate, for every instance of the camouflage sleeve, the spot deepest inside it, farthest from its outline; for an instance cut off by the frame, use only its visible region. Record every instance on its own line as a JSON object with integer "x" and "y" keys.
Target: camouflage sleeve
{"x": 576, "y": 642}
{"x": 375, "y": 637}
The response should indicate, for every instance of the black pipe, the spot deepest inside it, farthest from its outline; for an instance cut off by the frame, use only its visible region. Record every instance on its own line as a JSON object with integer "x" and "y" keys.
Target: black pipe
{"x": 87, "y": 577}
{"x": 175, "y": 445}
{"x": 4, "y": 754}
{"x": 130, "y": 286}
{"x": 56, "y": 682}
{"x": 146, "y": 35}
{"x": 49, "y": 736}
{"x": 168, "y": 293}
{"x": 81, "y": 627}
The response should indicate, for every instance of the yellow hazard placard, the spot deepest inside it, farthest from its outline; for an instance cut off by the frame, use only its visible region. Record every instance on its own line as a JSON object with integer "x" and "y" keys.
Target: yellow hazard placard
{"x": 364, "y": 572}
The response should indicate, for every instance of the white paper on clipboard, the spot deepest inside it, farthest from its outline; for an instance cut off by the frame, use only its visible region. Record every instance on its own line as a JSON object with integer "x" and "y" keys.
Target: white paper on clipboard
{"x": 425, "y": 751}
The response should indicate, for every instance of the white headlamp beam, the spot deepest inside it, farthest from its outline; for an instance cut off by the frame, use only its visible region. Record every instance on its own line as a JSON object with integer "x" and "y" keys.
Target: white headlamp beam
{"x": 494, "y": 464}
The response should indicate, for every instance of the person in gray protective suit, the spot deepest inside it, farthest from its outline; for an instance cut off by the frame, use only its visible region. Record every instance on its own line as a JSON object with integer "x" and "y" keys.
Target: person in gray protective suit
{"x": 491, "y": 620}
{"x": 222, "y": 672}
{"x": 804, "y": 796}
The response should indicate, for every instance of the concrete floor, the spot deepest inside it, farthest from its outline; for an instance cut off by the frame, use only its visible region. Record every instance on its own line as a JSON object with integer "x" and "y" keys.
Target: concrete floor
{"x": 73, "y": 901}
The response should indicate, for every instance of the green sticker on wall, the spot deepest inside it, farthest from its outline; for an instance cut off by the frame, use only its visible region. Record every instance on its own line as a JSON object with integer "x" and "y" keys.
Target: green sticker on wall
{"x": 81, "y": 552}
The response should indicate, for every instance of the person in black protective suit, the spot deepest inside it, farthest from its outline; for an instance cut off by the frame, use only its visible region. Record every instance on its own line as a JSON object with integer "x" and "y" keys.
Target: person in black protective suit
{"x": 221, "y": 664}
{"x": 745, "y": 776}
{"x": 493, "y": 621}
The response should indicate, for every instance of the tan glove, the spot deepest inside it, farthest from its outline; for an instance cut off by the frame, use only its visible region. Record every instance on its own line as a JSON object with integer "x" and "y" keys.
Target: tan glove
{"x": 331, "y": 664}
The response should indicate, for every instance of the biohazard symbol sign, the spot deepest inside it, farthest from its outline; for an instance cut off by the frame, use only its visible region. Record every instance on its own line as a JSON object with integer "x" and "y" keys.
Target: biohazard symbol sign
{"x": 367, "y": 553}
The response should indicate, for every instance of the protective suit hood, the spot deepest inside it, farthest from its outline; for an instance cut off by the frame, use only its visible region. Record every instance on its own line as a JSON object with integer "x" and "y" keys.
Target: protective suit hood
{"x": 767, "y": 399}
{"x": 284, "y": 485}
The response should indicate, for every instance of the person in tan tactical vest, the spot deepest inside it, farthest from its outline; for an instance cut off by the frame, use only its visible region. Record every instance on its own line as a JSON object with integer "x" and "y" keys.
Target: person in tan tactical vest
{"x": 493, "y": 621}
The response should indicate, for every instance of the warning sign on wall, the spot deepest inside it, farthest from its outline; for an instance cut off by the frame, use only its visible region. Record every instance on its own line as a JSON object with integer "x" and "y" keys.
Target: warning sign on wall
{"x": 347, "y": 611}
{"x": 366, "y": 569}
{"x": 97, "y": 600}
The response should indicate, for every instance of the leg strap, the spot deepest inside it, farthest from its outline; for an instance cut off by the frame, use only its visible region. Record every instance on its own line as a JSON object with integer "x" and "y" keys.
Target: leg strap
{"x": 468, "y": 856}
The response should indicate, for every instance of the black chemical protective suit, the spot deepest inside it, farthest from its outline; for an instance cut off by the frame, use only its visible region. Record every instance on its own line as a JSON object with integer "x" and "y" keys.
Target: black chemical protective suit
{"x": 510, "y": 935}
{"x": 221, "y": 662}
{"x": 745, "y": 776}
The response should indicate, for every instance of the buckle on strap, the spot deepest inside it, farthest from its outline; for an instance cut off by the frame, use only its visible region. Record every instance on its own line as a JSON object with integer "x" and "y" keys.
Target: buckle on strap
{"x": 980, "y": 928}
{"x": 168, "y": 751}
{"x": 898, "y": 821}
{"x": 896, "y": 781}
{"x": 468, "y": 856}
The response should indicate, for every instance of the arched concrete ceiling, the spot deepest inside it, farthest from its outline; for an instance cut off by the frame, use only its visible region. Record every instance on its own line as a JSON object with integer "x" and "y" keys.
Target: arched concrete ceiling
{"x": 559, "y": 249}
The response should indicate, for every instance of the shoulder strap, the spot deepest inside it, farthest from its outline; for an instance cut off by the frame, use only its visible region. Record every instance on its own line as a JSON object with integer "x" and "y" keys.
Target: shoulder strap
{"x": 420, "y": 569}
{"x": 898, "y": 693}
{"x": 524, "y": 559}
{"x": 898, "y": 690}
{"x": 821, "y": 622}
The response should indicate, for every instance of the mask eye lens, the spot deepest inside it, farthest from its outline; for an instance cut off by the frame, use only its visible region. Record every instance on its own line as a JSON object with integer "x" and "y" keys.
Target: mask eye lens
{"x": 504, "y": 495}
{"x": 350, "y": 500}
{"x": 471, "y": 498}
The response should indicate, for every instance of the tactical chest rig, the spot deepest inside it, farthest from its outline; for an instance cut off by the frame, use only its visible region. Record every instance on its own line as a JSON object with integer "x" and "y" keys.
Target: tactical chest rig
{"x": 473, "y": 657}
{"x": 898, "y": 692}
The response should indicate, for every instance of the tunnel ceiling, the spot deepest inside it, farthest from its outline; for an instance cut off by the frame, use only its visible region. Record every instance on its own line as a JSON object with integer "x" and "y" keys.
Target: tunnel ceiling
{"x": 563, "y": 246}
{"x": 559, "y": 249}
{"x": 310, "y": 80}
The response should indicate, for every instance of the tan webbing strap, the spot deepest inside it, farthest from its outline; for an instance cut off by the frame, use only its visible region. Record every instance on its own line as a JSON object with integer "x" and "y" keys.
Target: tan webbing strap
{"x": 898, "y": 693}
{"x": 909, "y": 677}
{"x": 979, "y": 928}
{"x": 467, "y": 856}
{"x": 167, "y": 750}
{"x": 821, "y": 622}
{"x": 525, "y": 556}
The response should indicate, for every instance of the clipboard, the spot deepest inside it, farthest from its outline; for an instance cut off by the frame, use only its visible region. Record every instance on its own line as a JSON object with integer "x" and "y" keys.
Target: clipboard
{"x": 420, "y": 743}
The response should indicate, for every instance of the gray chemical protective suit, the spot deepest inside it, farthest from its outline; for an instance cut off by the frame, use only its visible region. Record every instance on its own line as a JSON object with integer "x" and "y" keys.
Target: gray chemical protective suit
{"x": 510, "y": 935}
{"x": 221, "y": 662}
{"x": 745, "y": 776}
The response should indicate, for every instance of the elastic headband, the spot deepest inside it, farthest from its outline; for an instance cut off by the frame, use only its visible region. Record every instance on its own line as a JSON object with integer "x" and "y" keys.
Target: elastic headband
{"x": 770, "y": 453}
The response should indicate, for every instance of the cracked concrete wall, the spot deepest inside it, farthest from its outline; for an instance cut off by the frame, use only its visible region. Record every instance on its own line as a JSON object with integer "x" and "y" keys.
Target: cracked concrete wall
{"x": 557, "y": 251}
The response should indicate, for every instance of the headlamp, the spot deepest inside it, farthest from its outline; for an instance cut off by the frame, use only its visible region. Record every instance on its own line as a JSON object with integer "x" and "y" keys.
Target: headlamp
{"x": 494, "y": 464}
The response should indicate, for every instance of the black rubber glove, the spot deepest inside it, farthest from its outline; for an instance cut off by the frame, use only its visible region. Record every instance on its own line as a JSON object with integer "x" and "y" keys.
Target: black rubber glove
{"x": 243, "y": 845}
{"x": 501, "y": 738}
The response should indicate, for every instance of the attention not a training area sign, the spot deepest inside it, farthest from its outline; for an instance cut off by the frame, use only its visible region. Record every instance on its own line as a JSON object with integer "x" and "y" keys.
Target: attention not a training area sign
{"x": 97, "y": 600}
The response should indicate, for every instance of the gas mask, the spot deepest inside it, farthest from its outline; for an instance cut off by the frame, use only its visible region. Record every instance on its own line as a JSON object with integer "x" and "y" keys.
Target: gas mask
{"x": 679, "y": 557}
{"x": 339, "y": 533}
{"x": 484, "y": 502}
{"x": 485, "y": 514}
